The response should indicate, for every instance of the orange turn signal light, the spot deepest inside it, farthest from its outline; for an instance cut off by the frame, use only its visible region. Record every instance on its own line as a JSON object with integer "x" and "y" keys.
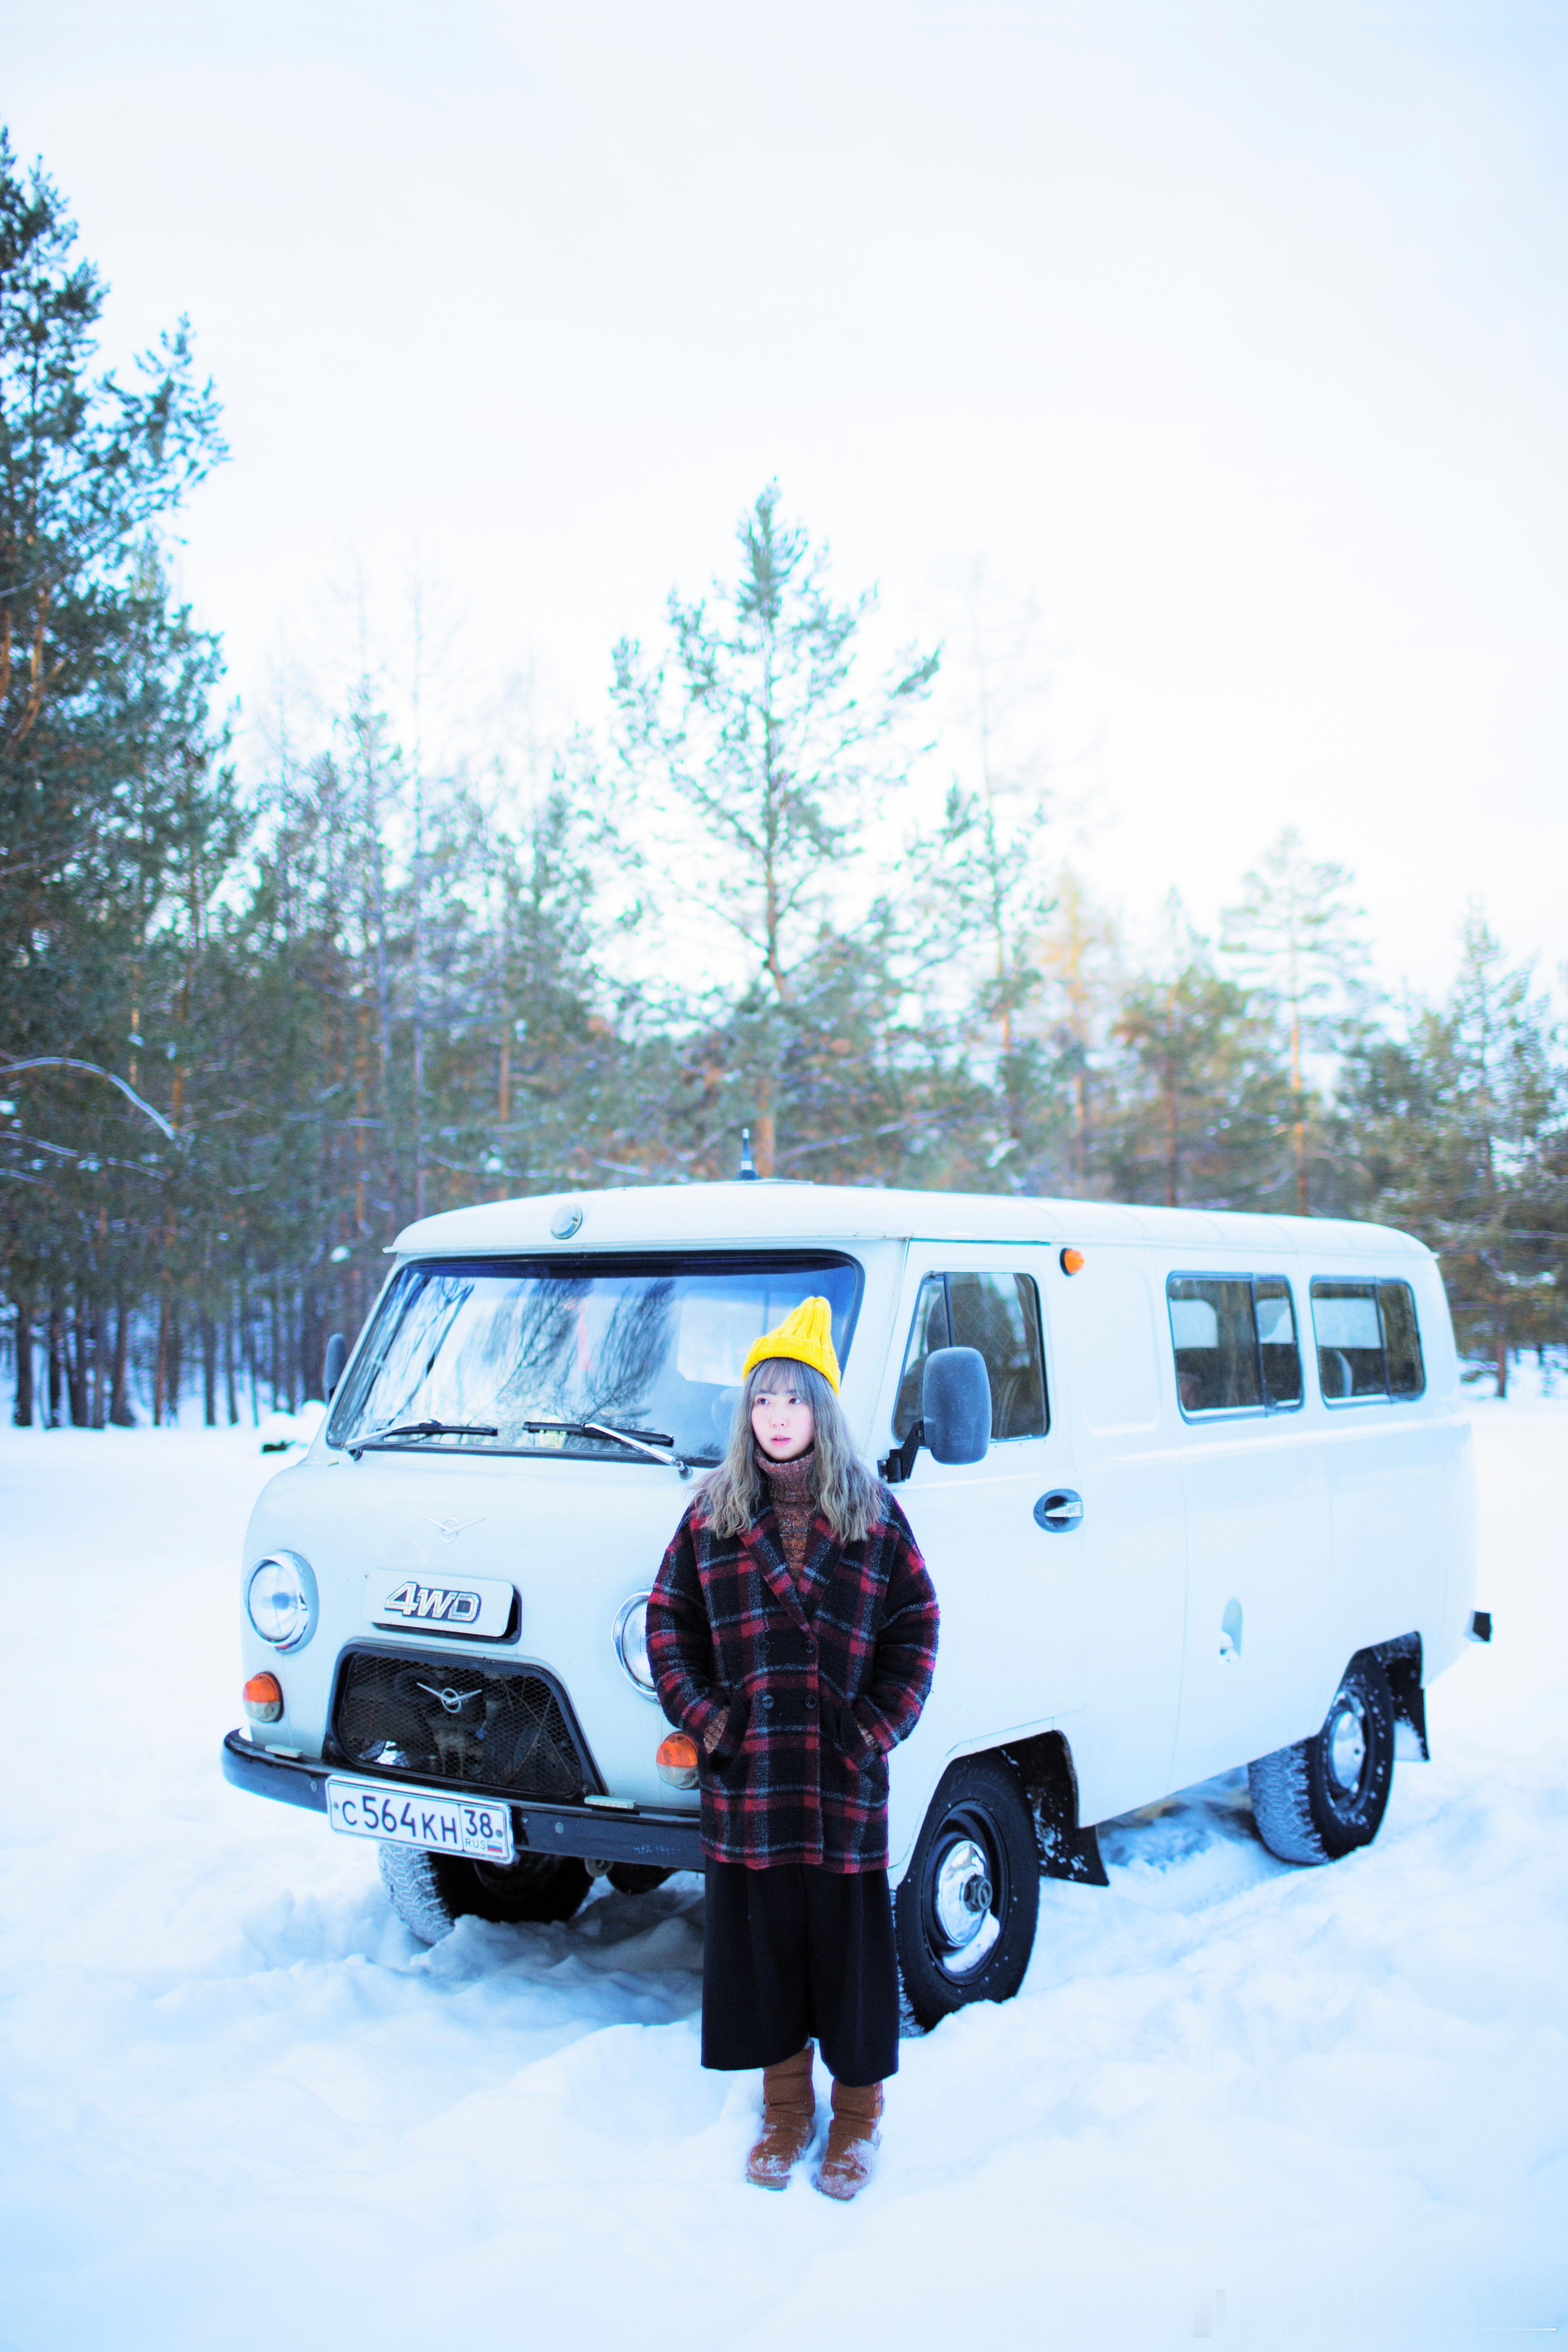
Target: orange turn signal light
{"x": 264, "y": 1698}
{"x": 1072, "y": 1261}
{"x": 677, "y": 1761}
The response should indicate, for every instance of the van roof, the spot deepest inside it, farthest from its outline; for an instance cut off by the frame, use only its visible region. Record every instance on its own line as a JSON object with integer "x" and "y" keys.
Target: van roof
{"x": 739, "y": 1214}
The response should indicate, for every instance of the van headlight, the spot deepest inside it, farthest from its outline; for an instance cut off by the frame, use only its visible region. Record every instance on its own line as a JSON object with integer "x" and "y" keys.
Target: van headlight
{"x": 631, "y": 1642}
{"x": 281, "y": 1599}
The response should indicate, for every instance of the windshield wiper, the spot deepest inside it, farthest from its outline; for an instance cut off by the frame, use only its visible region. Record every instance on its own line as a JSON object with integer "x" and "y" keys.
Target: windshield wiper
{"x": 641, "y": 1441}
{"x": 423, "y": 1429}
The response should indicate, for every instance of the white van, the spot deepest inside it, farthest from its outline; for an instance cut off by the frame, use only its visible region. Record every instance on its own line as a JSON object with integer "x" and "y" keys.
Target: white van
{"x": 1225, "y": 1518}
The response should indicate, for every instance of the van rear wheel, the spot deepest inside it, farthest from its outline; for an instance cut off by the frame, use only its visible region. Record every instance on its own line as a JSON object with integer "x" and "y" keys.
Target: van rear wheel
{"x": 1325, "y": 1796}
{"x": 966, "y": 1908}
{"x": 431, "y": 1892}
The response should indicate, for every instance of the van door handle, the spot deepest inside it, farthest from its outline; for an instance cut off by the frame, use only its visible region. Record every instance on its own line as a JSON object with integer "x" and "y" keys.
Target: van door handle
{"x": 1059, "y": 1511}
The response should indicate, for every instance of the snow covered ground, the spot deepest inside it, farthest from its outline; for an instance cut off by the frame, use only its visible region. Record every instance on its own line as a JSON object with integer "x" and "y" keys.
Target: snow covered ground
{"x": 240, "y": 2108}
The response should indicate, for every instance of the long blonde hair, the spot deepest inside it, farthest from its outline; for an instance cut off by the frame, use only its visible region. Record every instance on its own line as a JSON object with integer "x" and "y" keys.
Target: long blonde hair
{"x": 849, "y": 1498}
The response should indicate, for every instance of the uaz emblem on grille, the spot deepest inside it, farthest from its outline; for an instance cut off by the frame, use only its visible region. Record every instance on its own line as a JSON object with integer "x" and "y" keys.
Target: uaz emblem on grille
{"x": 454, "y": 1701}
{"x": 437, "y": 1604}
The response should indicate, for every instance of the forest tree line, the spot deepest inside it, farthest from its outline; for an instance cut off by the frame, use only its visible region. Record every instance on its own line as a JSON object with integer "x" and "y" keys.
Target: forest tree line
{"x": 249, "y": 1031}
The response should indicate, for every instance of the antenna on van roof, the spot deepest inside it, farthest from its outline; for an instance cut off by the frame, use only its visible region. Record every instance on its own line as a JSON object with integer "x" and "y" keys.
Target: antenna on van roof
{"x": 747, "y": 1171}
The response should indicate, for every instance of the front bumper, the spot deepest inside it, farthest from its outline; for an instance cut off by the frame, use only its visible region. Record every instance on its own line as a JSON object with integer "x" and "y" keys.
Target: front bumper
{"x": 646, "y": 1833}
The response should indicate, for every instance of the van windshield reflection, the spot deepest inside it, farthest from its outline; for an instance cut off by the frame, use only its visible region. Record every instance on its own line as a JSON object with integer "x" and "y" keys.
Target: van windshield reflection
{"x": 537, "y": 1359}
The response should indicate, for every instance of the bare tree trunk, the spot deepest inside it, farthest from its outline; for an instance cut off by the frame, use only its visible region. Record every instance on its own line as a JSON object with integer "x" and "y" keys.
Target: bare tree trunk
{"x": 248, "y": 1347}
{"x": 22, "y": 1403}
{"x": 100, "y": 1364}
{"x": 119, "y": 1412}
{"x": 362, "y": 1121}
{"x": 503, "y": 1106}
{"x": 418, "y": 1023}
{"x": 764, "y": 1135}
{"x": 57, "y": 1368}
{"x": 78, "y": 1351}
{"x": 209, "y": 1368}
{"x": 1297, "y": 1096}
{"x": 160, "y": 1361}
{"x": 176, "y": 1357}
{"x": 230, "y": 1397}
{"x": 1501, "y": 1361}
{"x": 279, "y": 1399}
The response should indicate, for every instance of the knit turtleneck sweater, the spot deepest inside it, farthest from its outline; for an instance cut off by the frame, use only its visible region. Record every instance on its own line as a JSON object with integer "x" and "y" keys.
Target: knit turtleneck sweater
{"x": 792, "y": 1486}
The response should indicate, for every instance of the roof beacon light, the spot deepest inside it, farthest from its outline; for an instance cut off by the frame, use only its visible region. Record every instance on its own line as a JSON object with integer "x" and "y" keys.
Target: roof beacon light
{"x": 747, "y": 1171}
{"x": 1072, "y": 1261}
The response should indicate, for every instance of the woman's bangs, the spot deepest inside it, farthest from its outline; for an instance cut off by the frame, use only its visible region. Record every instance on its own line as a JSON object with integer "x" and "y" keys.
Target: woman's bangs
{"x": 781, "y": 1372}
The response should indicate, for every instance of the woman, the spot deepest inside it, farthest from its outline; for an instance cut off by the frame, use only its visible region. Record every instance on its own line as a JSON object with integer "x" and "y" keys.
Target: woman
{"x": 792, "y": 1634}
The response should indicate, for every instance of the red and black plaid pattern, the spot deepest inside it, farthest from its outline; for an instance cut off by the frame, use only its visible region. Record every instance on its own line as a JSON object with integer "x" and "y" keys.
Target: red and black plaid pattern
{"x": 812, "y": 1685}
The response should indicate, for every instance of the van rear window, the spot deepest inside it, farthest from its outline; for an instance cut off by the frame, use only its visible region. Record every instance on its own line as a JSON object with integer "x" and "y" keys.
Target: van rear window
{"x": 1235, "y": 1341}
{"x": 1368, "y": 1339}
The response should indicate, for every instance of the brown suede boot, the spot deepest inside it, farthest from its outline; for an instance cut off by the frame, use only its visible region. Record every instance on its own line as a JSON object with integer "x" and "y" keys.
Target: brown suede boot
{"x": 789, "y": 2120}
{"x": 852, "y": 2138}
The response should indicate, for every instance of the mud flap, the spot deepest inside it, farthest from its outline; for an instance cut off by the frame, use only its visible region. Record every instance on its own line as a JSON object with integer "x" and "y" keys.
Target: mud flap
{"x": 1044, "y": 1765}
{"x": 1401, "y": 1662}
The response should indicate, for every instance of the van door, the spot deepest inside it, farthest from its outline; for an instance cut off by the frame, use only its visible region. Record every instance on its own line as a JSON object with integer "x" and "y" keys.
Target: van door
{"x": 1127, "y": 1561}
{"x": 1260, "y": 1576}
{"x": 1010, "y": 1657}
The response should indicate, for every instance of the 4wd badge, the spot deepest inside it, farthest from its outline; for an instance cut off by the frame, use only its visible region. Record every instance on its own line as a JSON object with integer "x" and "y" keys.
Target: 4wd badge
{"x": 470, "y": 1605}
{"x": 437, "y": 1602}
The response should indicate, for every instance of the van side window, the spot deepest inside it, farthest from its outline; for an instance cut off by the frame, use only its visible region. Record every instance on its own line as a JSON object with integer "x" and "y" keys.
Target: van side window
{"x": 1234, "y": 1342}
{"x": 1279, "y": 1351}
{"x": 1401, "y": 1339}
{"x": 1369, "y": 1343}
{"x": 1000, "y": 1315}
{"x": 929, "y": 1331}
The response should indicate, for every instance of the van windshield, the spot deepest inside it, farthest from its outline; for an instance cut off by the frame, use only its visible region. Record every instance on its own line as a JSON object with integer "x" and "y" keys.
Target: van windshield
{"x": 478, "y": 1349}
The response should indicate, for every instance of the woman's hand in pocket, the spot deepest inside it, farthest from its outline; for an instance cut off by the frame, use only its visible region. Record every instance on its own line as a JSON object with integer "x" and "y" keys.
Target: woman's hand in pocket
{"x": 854, "y": 1744}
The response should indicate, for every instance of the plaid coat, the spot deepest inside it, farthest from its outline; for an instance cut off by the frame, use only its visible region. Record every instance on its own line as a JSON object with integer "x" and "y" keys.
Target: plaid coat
{"x": 813, "y": 1687}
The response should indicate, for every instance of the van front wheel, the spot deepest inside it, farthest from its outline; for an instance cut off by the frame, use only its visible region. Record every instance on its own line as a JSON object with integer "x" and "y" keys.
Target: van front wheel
{"x": 966, "y": 1907}
{"x": 431, "y": 1892}
{"x": 1325, "y": 1796}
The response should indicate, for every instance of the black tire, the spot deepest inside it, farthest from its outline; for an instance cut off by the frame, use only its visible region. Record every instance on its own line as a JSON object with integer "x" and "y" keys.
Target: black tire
{"x": 431, "y": 1892}
{"x": 967, "y": 1906}
{"x": 636, "y": 1877}
{"x": 1327, "y": 1795}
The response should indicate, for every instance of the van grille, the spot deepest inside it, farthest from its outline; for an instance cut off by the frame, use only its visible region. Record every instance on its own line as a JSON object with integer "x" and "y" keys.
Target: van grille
{"x": 434, "y": 1719}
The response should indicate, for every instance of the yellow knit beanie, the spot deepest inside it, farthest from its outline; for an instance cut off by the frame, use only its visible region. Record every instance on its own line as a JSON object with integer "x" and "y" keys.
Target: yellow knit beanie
{"x": 804, "y": 1337}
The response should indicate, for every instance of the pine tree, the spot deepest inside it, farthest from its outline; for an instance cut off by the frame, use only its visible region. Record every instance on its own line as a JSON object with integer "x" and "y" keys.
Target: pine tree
{"x": 1298, "y": 943}
{"x": 105, "y": 756}
{"x": 757, "y": 751}
{"x": 1457, "y": 1130}
{"x": 1202, "y": 1117}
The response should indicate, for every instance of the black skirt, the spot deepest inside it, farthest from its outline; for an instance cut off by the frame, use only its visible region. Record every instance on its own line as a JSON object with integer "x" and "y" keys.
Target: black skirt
{"x": 795, "y": 1954}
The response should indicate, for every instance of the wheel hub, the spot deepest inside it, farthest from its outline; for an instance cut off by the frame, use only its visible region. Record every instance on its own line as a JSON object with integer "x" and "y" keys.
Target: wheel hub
{"x": 1346, "y": 1746}
{"x": 962, "y": 1894}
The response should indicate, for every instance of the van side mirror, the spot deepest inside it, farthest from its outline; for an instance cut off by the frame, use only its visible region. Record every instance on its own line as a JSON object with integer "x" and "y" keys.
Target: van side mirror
{"x": 955, "y": 1413}
{"x": 337, "y": 1356}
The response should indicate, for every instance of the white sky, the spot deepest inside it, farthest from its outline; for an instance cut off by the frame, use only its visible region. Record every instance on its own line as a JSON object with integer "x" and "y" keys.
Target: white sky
{"x": 1236, "y": 334}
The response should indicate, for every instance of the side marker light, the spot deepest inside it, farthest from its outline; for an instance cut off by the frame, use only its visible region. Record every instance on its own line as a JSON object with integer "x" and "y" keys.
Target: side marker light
{"x": 677, "y": 1761}
{"x": 263, "y": 1698}
{"x": 1072, "y": 1261}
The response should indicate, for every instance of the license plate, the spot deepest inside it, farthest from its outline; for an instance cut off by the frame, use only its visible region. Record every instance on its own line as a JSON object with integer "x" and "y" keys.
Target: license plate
{"x": 479, "y": 1826}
